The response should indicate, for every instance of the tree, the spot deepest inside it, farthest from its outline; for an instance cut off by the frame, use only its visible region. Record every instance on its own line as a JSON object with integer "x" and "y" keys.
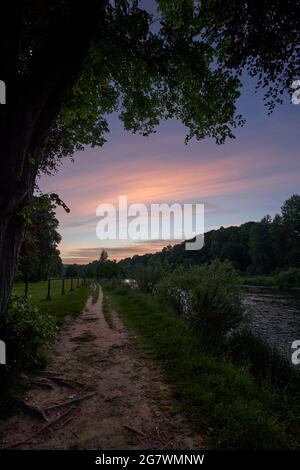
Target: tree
{"x": 108, "y": 270}
{"x": 72, "y": 270}
{"x": 291, "y": 221}
{"x": 261, "y": 249}
{"x": 279, "y": 237}
{"x": 103, "y": 256}
{"x": 66, "y": 66}
{"x": 39, "y": 256}
{"x": 261, "y": 36}
{"x": 103, "y": 268}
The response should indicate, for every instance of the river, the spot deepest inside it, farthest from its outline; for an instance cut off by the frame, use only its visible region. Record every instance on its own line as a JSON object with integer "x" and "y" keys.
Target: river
{"x": 274, "y": 316}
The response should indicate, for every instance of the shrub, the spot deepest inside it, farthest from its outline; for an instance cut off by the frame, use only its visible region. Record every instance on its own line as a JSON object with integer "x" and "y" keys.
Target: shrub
{"x": 147, "y": 276}
{"x": 207, "y": 296}
{"x": 27, "y": 332}
{"x": 217, "y": 307}
{"x": 288, "y": 279}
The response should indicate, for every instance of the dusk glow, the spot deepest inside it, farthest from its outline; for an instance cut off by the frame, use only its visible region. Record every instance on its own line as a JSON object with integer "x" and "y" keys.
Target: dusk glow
{"x": 242, "y": 180}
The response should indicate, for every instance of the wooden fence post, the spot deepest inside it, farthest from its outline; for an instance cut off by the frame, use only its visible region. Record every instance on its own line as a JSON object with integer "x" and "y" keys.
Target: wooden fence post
{"x": 63, "y": 286}
{"x": 49, "y": 290}
{"x": 71, "y": 284}
{"x": 78, "y": 282}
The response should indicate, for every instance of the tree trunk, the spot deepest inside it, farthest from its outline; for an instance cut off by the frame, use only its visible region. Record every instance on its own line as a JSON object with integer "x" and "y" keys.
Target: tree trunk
{"x": 11, "y": 232}
{"x": 16, "y": 188}
{"x": 32, "y": 105}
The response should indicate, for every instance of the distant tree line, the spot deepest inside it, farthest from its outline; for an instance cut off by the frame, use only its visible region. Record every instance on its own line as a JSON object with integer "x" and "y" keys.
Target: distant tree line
{"x": 254, "y": 248}
{"x": 103, "y": 268}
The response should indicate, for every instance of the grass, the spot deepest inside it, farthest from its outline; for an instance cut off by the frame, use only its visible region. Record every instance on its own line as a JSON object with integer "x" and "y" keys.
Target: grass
{"x": 264, "y": 362}
{"x": 106, "y": 311}
{"x": 39, "y": 290}
{"x": 71, "y": 303}
{"x": 224, "y": 400}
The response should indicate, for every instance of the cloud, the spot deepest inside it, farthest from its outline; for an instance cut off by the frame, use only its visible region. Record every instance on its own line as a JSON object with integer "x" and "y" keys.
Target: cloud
{"x": 236, "y": 182}
{"x": 87, "y": 254}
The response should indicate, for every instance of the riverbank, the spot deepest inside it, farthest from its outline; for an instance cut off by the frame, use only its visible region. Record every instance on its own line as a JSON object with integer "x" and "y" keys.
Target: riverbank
{"x": 282, "y": 280}
{"x": 228, "y": 402}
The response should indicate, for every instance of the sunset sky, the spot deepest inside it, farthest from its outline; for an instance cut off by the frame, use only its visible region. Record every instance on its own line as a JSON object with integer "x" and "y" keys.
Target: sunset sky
{"x": 242, "y": 180}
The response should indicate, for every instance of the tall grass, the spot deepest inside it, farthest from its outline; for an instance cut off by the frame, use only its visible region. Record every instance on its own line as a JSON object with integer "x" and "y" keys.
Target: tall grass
{"x": 106, "y": 311}
{"x": 264, "y": 362}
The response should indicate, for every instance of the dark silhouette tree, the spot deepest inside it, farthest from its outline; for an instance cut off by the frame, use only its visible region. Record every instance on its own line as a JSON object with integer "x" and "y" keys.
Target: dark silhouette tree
{"x": 103, "y": 256}
{"x": 261, "y": 37}
{"x": 291, "y": 222}
{"x": 39, "y": 255}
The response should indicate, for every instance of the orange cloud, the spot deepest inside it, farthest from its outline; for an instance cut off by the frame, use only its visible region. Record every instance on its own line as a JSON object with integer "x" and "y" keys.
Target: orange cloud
{"x": 154, "y": 176}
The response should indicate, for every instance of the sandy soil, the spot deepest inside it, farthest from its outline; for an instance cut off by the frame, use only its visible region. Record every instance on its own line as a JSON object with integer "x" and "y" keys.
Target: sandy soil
{"x": 131, "y": 407}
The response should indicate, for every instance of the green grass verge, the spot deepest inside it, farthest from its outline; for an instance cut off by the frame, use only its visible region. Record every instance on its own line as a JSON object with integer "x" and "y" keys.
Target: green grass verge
{"x": 95, "y": 292}
{"x": 71, "y": 303}
{"x": 39, "y": 290}
{"x": 223, "y": 400}
{"x": 106, "y": 311}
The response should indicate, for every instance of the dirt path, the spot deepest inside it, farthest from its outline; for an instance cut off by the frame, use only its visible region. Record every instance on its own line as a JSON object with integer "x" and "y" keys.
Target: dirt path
{"x": 131, "y": 407}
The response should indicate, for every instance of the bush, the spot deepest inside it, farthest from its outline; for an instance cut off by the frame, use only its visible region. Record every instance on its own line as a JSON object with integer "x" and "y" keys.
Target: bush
{"x": 27, "y": 333}
{"x": 288, "y": 279}
{"x": 147, "y": 276}
{"x": 207, "y": 296}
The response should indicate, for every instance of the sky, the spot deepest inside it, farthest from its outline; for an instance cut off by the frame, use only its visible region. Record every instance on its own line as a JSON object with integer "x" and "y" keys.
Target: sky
{"x": 241, "y": 180}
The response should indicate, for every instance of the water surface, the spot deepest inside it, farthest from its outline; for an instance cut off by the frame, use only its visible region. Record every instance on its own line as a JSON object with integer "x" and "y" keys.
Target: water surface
{"x": 274, "y": 316}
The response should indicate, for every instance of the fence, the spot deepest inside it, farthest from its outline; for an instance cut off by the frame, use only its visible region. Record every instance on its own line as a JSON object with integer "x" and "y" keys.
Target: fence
{"x": 73, "y": 284}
